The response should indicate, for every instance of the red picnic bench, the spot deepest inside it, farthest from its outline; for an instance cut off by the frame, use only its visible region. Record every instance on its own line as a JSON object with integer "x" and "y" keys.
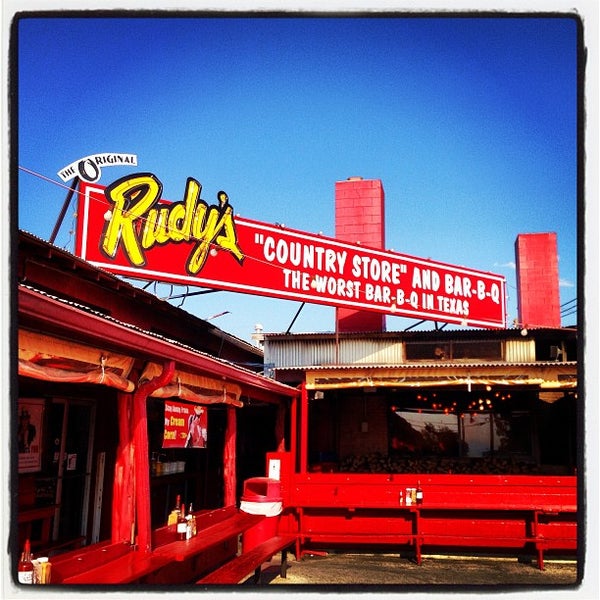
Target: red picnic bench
{"x": 127, "y": 568}
{"x": 524, "y": 514}
{"x": 237, "y": 569}
{"x": 106, "y": 564}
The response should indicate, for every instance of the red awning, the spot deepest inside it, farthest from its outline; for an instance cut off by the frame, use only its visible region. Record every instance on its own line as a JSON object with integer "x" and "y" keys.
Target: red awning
{"x": 49, "y": 313}
{"x": 96, "y": 375}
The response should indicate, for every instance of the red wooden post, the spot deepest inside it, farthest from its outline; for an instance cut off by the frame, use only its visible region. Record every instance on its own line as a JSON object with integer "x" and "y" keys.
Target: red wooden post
{"x": 279, "y": 427}
{"x": 294, "y": 433}
{"x": 123, "y": 514}
{"x": 140, "y": 438}
{"x": 303, "y": 429}
{"x": 229, "y": 457}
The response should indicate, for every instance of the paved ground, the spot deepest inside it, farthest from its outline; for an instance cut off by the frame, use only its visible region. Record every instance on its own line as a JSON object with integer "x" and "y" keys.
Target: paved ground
{"x": 388, "y": 572}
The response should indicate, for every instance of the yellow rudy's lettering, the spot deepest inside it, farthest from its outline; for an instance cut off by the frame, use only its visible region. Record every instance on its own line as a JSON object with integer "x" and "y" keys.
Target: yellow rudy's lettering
{"x": 154, "y": 230}
{"x": 182, "y": 215}
{"x": 209, "y": 229}
{"x": 138, "y": 224}
{"x": 203, "y": 228}
{"x": 132, "y": 198}
{"x": 228, "y": 241}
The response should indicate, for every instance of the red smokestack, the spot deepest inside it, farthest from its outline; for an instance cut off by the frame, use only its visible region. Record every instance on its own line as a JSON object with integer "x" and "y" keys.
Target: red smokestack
{"x": 359, "y": 217}
{"x": 537, "y": 280}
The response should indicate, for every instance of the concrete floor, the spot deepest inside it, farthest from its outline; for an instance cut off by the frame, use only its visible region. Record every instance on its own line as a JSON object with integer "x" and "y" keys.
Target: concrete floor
{"x": 389, "y": 572}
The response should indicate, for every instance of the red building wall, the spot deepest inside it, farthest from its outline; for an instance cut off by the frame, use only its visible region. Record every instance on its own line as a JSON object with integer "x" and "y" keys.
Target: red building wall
{"x": 537, "y": 280}
{"x": 359, "y": 217}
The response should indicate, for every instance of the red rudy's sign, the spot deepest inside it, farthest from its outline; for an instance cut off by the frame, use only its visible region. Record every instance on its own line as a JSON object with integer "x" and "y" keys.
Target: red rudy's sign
{"x": 127, "y": 229}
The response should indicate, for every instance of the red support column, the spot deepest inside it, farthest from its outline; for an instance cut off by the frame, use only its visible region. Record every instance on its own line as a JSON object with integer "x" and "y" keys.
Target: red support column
{"x": 294, "y": 433}
{"x": 229, "y": 458}
{"x": 141, "y": 482}
{"x": 123, "y": 503}
{"x": 304, "y": 429}
{"x": 279, "y": 427}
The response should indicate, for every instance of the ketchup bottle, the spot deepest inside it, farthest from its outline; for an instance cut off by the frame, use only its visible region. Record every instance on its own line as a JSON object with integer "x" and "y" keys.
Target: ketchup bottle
{"x": 25, "y": 568}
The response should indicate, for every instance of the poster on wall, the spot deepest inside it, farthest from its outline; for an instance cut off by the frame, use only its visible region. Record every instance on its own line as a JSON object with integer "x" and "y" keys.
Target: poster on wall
{"x": 186, "y": 425}
{"x": 29, "y": 435}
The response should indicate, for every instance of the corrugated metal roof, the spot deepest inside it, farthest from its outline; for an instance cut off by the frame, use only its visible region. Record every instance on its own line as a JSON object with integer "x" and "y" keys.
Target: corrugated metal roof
{"x": 130, "y": 326}
{"x": 425, "y": 365}
{"x": 124, "y": 286}
{"x": 387, "y": 348}
{"x": 242, "y": 371}
{"x": 327, "y": 350}
{"x": 420, "y": 333}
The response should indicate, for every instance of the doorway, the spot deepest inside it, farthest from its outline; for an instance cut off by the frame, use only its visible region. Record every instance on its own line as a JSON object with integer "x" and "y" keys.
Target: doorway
{"x": 71, "y": 434}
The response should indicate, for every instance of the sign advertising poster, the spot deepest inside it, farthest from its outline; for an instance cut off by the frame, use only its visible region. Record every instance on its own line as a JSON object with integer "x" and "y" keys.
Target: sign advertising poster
{"x": 186, "y": 425}
{"x": 29, "y": 435}
{"x": 128, "y": 229}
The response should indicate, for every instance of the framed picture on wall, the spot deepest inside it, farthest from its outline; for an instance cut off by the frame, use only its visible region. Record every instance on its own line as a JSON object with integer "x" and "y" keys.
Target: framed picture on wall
{"x": 30, "y": 418}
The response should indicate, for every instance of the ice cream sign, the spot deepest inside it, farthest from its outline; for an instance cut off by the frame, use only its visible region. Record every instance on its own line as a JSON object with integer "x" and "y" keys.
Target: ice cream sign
{"x": 128, "y": 229}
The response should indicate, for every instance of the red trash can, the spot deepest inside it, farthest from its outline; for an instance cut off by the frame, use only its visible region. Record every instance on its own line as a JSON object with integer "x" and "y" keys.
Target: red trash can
{"x": 261, "y": 496}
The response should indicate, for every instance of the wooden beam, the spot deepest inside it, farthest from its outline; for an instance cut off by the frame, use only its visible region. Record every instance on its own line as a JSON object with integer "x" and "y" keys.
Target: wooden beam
{"x": 142, "y": 470}
{"x": 229, "y": 457}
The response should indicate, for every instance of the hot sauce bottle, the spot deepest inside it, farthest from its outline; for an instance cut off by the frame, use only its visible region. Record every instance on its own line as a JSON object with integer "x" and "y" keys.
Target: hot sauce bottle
{"x": 25, "y": 568}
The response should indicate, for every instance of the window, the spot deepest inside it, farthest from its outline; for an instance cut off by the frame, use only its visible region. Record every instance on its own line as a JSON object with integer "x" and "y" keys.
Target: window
{"x": 427, "y": 351}
{"x": 425, "y": 433}
{"x": 515, "y": 433}
{"x": 461, "y": 434}
{"x": 454, "y": 350}
{"x": 481, "y": 434}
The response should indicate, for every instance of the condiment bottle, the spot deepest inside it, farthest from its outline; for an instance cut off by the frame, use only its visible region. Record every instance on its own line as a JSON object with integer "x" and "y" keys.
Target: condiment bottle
{"x": 194, "y": 526}
{"x": 25, "y": 568}
{"x": 174, "y": 514}
{"x": 182, "y": 524}
{"x": 192, "y": 522}
{"x": 419, "y": 493}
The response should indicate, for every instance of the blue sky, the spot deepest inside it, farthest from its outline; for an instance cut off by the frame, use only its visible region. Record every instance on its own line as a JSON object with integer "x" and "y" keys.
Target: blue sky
{"x": 470, "y": 123}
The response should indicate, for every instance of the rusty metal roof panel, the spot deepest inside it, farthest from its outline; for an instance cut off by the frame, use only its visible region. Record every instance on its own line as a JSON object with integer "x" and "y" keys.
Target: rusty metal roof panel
{"x": 328, "y": 350}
